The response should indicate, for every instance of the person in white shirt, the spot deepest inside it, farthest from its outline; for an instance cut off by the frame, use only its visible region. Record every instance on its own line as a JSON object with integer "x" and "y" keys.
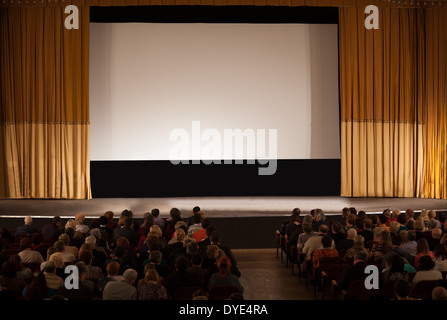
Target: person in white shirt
{"x": 27, "y": 255}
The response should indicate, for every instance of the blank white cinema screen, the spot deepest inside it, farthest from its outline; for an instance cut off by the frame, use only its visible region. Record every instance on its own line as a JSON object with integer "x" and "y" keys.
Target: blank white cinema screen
{"x": 148, "y": 79}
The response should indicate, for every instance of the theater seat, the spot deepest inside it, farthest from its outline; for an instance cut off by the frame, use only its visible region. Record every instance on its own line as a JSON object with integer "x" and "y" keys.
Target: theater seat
{"x": 222, "y": 293}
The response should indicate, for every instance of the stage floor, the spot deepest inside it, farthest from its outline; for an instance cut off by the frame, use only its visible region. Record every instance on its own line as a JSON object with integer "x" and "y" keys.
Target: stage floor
{"x": 212, "y": 206}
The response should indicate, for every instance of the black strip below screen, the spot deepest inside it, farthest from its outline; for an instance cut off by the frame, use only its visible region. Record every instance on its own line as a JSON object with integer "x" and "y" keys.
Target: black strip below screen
{"x": 135, "y": 179}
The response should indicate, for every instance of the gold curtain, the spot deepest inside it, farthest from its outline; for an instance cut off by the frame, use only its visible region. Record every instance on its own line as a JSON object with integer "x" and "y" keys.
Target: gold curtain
{"x": 392, "y": 93}
{"x": 44, "y": 119}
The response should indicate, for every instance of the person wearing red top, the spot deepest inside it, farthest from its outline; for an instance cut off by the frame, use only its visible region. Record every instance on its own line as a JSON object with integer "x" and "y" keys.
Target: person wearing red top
{"x": 326, "y": 251}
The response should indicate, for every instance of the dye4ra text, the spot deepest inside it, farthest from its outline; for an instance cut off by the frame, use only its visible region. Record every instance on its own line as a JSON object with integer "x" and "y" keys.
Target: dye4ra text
{"x": 238, "y": 309}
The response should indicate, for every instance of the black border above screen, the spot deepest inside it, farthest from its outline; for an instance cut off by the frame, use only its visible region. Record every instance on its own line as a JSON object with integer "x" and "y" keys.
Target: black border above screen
{"x": 214, "y": 14}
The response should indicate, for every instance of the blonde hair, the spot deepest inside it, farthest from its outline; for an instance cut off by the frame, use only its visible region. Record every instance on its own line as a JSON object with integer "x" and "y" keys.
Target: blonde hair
{"x": 395, "y": 213}
{"x": 70, "y": 224}
{"x": 65, "y": 238}
{"x": 179, "y": 234}
{"x": 155, "y": 229}
{"x": 394, "y": 226}
{"x": 80, "y": 218}
{"x": 419, "y": 226}
{"x": 424, "y": 214}
{"x": 151, "y": 275}
{"x": 359, "y": 241}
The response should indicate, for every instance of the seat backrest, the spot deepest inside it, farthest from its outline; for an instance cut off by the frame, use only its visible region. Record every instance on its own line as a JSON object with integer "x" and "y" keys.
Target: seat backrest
{"x": 326, "y": 262}
{"x": 357, "y": 291}
{"x": 185, "y": 293}
{"x": 222, "y": 292}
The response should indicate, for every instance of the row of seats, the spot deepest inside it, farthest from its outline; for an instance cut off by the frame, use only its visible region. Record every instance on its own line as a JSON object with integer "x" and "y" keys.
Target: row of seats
{"x": 326, "y": 277}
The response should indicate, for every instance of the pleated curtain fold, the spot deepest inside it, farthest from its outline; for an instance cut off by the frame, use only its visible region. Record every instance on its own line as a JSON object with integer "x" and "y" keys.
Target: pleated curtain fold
{"x": 393, "y": 103}
{"x": 44, "y": 119}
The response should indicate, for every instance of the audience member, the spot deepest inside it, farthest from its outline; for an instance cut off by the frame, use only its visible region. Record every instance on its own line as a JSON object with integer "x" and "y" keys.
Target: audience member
{"x": 439, "y": 293}
{"x": 337, "y": 232}
{"x": 9, "y": 280}
{"x": 67, "y": 258}
{"x": 381, "y": 247}
{"x": 52, "y": 230}
{"x": 149, "y": 288}
{"x": 344, "y": 245}
{"x": 422, "y": 250}
{"x": 84, "y": 290}
{"x": 383, "y": 223}
{"x": 394, "y": 269}
{"x": 440, "y": 259}
{"x": 356, "y": 271}
{"x": 26, "y": 228}
{"x": 67, "y": 247}
{"x": 305, "y": 235}
{"x": 419, "y": 228}
{"x": 358, "y": 245}
{"x": 200, "y": 235}
{"x": 180, "y": 277}
{"x": 80, "y": 224}
{"x": 434, "y": 238}
{"x": 127, "y": 231}
{"x": 159, "y": 221}
{"x": 27, "y": 255}
{"x": 402, "y": 290}
{"x": 196, "y": 267}
{"x": 432, "y": 217}
{"x": 327, "y": 250}
{"x": 38, "y": 289}
{"x": 396, "y": 250}
{"x": 112, "y": 275}
{"x": 196, "y": 224}
{"x": 314, "y": 243}
{"x": 409, "y": 242}
{"x": 350, "y": 222}
{"x": 53, "y": 280}
{"x": 224, "y": 277}
{"x": 426, "y": 271}
{"x": 367, "y": 233}
{"x": 123, "y": 289}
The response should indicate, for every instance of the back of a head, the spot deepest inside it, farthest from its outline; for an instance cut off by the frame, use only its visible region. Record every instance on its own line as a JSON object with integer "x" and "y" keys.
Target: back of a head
{"x": 155, "y": 256}
{"x": 396, "y": 240}
{"x": 224, "y": 265}
{"x": 323, "y": 229}
{"x": 113, "y": 268}
{"x": 336, "y": 226}
{"x": 128, "y": 222}
{"x": 25, "y": 243}
{"x": 215, "y": 237}
{"x": 426, "y": 263}
{"x": 181, "y": 263}
{"x": 28, "y": 220}
{"x": 130, "y": 274}
{"x": 307, "y": 227}
{"x": 195, "y": 209}
{"x": 359, "y": 241}
{"x": 197, "y": 217}
{"x": 59, "y": 245}
{"x": 402, "y": 288}
{"x": 411, "y": 235}
{"x": 50, "y": 266}
{"x": 361, "y": 256}
{"x": 351, "y": 233}
{"x": 326, "y": 241}
{"x": 197, "y": 259}
{"x": 296, "y": 211}
{"x": 155, "y": 212}
{"x": 439, "y": 293}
